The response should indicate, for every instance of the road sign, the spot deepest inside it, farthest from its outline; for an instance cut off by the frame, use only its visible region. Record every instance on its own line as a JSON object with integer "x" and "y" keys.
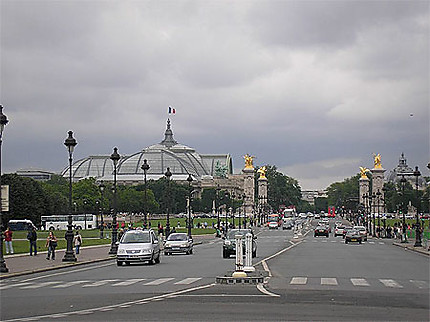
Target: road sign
{"x": 5, "y": 198}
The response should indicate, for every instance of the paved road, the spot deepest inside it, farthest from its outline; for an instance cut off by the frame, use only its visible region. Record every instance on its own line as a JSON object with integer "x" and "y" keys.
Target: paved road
{"x": 312, "y": 279}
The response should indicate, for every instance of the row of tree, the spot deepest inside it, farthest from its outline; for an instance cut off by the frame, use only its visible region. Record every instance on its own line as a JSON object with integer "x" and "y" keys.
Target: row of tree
{"x": 30, "y": 199}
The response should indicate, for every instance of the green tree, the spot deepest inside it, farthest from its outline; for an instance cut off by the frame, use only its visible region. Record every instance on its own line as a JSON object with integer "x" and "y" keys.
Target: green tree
{"x": 26, "y": 198}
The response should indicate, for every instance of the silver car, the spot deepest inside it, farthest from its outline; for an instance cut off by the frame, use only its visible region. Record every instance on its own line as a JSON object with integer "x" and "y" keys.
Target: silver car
{"x": 178, "y": 243}
{"x": 363, "y": 231}
{"x": 138, "y": 246}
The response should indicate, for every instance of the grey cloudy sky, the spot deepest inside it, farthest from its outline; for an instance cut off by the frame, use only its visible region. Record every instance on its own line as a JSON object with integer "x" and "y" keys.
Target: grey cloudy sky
{"x": 313, "y": 87}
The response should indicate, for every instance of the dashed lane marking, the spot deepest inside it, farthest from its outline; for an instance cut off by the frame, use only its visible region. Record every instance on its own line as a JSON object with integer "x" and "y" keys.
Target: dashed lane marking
{"x": 129, "y": 282}
{"x": 99, "y": 283}
{"x": 159, "y": 281}
{"x": 390, "y": 283}
{"x": 299, "y": 281}
{"x": 328, "y": 281}
{"x": 359, "y": 282}
{"x": 188, "y": 281}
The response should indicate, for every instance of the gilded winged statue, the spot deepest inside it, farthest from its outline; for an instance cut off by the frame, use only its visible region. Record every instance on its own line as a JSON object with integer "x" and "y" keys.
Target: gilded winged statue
{"x": 377, "y": 161}
{"x": 248, "y": 161}
{"x": 262, "y": 172}
{"x": 363, "y": 172}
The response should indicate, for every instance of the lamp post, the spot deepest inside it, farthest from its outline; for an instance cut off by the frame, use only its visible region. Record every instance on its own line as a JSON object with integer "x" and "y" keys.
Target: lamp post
{"x": 233, "y": 208}
{"x": 403, "y": 182}
{"x": 3, "y": 122}
{"x": 113, "y": 246}
{"x": 365, "y": 209}
{"x": 168, "y": 175}
{"x": 102, "y": 189}
{"x": 189, "y": 179}
{"x": 69, "y": 255}
{"x": 240, "y": 206}
{"x": 217, "y": 205}
{"x": 371, "y": 214}
{"x": 145, "y": 167}
{"x": 378, "y": 198}
{"x": 417, "y": 173}
{"x": 244, "y": 212}
{"x": 226, "y": 195}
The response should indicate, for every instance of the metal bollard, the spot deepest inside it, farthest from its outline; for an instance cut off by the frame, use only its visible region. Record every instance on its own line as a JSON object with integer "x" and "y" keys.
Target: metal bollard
{"x": 248, "y": 253}
{"x": 239, "y": 258}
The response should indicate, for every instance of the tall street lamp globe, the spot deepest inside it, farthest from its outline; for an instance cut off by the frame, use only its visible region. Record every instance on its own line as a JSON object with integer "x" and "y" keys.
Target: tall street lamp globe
{"x": 3, "y": 122}
{"x": 69, "y": 255}
{"x": 145, "y": 167}
{"x": 190, "y": 180}
{"x": 114, "y": 247}
{"x": 417, "y": 174}
{"x": 168, "y": 175}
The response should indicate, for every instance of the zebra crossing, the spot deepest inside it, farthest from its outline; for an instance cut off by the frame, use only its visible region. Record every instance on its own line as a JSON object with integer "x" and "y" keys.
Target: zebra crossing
{"x": 342, "y": 241}
{"x": 106, "y": 282}
{"x": 358, "y": 282}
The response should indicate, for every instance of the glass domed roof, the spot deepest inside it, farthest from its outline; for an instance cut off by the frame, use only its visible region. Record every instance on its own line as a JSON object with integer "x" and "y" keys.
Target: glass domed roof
{"x": 181, "y": 159}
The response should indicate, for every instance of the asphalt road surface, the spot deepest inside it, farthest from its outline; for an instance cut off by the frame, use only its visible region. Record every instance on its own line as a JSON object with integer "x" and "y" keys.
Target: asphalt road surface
{"x": 310, "y": 279}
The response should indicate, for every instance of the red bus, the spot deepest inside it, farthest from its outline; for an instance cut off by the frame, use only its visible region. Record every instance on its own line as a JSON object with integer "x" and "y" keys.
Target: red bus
{"x": 331, "y": 212}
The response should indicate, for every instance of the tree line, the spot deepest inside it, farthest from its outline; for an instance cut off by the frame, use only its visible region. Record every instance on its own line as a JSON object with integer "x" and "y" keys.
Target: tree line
{"x": 30, "y": 199}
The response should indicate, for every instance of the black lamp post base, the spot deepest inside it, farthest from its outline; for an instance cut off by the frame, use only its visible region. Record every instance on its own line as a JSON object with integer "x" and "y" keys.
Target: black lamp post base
{"x": 69, "y": 257}
{"x": 3, "y": 267}
{"x": 113, "y": 249}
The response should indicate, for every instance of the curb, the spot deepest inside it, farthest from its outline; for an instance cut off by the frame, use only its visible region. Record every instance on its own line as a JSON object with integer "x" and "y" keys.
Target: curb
{"x": 413, "y": 249}
{"x": 46, "y": 269}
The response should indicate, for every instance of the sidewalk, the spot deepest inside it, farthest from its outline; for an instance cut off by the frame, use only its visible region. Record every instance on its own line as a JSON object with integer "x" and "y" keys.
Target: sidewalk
{"x": 410, "y": 246}
{"x": 23, "y": 264}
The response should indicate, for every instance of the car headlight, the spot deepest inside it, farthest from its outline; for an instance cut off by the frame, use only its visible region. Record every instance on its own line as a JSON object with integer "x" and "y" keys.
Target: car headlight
{"x": 147, "y": 251}
{"x": 184, "y": 245}
{"x": 227, "y": 243}
{"x": 121, "y": 251}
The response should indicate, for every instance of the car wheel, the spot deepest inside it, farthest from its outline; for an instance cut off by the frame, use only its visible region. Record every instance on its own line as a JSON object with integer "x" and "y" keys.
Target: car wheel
{"x": 327, "y": 235}
{"x": 166, "y": 253}
{"x": 191, "y": 251}
{"x": 127, "y": 263}
{"x": 359, "y": 242}
{"x": 157, "y": 260}
{"x": 254, "y": 254}
{"x": 225, "y": 254}
{"x": 346, "y": 242}
{"x": 118, "y": 263}
{"x": 315, "y": 235}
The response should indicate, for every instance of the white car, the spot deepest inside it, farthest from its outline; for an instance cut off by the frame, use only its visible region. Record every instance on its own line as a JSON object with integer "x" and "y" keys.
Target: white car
{"x": 362, "y": 230}
{"x": 178, "y": 243}
{"x": 138, "y": 246}
{"x": 273, "y": 225}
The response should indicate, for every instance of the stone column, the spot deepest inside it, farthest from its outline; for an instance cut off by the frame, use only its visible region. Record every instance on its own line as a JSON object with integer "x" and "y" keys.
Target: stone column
{"x": 378, "y": 181}
{"x": 249, "y": 190}
{"x": 262, "y": 193}
{"x": 364, "y": 190}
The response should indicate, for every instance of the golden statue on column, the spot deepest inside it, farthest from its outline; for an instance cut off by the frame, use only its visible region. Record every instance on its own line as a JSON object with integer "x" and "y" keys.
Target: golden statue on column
{"x": 377, "y": 161}
{"x": 363, "y": 172}
{"x": 248, "y": 161}
{"x": 262, "y": 172}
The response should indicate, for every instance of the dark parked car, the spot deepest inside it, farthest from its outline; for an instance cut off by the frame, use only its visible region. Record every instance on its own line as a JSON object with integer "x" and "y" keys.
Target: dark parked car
{"x": 353, "y": 236}
{"x": 229, "y": 246}
{"x": 321, "y": 231}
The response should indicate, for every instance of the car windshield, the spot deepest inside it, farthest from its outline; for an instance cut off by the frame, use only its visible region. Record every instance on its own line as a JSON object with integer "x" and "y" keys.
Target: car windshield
{"x": 131, "y": 238}
{"x": 177, "y": 237}
{"x": 232, "y": 233}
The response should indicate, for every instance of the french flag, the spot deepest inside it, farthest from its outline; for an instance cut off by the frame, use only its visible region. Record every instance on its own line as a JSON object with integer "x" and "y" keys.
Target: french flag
{"x": 172, "y": 110}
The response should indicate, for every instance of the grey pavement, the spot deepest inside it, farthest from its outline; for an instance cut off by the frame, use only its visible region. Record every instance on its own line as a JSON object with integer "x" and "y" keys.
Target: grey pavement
{"x": 22, "y": 264}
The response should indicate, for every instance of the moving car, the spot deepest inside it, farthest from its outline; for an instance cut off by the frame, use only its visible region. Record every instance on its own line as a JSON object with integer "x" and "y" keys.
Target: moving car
{"x": 229, "y": 246}
{"x": 363, "y": 231}
{"x": 321, "y": 231}
{"x": 338, "y": 231}
{"x": 178, "y": 243}
{"x": 346, "y": 229}
{"x": 287, "y": 223}
{"x": 273, "y": 225}
{"x": 138, "y": 246}
{"x": 353, "y": 236}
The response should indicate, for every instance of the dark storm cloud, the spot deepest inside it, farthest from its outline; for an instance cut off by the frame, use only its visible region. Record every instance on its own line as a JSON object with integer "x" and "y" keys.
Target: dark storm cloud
{"x": 312, "y": 87}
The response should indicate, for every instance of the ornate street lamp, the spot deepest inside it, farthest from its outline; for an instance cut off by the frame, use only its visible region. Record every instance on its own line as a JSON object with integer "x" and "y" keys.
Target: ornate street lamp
{"x": 145, "y": 167}
{"x": 69, "y": 255}
{"x": 189, "y": 179}
{"x": 168, "y": 175}
{"x": 240, "y": 205}
{"x": 417, "y": 174}
{"x": 102, "y": 189}
{"x": 3, "y": 122}
{"x": 217, "y": 206}
{"x": 244, "y": 212}
{"x": 403, "y": 183}
{"x": 113, "y": 246}
{"x": 226, "y": 195}
{"x": 378, "y": 198}
{"x": 232, "y": 208}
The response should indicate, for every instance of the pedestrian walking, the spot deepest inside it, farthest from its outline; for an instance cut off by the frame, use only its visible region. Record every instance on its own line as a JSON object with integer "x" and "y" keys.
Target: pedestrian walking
{"x": 77, "y": 240}
{"x": 32, "y": 238}
{"x": 8, "y": 240}
{"x": 51, "y": 243}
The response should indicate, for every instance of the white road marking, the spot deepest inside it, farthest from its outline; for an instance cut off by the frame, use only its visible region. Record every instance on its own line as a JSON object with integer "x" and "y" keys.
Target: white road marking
{"x": 69, "y": 284}
{"x": 188, "y": 281}
{"x": 261, "y": 288}
{"x": 420, "y": 284}
{"x": 371, "y": 242}
{"x": 299, "y": 280}
{"x": 381, "y": 243}
{"x": 99, "y": 283}
{"x": 14, "y": 285}
{"x": 266, "y": 268}
{"x": 334, "y": 241}
{"x": 129, "y": 282}
{"x": 39, "y": 285}
{"x": 390, "y": 283}
{"x": 328, "y": 281}
{"x": 359, "y": 282}
{"x": 159, "y": 281}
